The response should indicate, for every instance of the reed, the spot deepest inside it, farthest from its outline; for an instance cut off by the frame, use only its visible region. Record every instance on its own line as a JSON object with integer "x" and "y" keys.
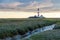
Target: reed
{"x": 11, "y": 27}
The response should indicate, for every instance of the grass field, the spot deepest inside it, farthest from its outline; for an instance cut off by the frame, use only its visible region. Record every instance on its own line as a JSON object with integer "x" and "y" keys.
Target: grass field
{"x": 11, "y": 27}
{"x": 48, "y": 35}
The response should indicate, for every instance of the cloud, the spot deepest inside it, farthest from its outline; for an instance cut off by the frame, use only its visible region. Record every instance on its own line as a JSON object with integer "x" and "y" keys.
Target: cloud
{"x": 28, "y": 5}
{"x": 35, "y": 4}
{"x": 10, "y": 5}
{"x": 39, "y": 5}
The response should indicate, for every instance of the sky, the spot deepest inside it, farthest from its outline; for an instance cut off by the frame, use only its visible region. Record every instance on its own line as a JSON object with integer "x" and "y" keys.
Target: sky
{"x": 22, "y": 8}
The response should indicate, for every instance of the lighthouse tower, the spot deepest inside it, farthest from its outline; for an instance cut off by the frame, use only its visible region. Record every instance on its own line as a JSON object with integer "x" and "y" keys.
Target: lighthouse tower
{"x": 38, "y": 12}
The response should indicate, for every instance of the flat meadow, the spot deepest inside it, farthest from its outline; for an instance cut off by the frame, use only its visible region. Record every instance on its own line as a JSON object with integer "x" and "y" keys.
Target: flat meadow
{"x": 50, "y": 34}
{"x": 11, "y": 27}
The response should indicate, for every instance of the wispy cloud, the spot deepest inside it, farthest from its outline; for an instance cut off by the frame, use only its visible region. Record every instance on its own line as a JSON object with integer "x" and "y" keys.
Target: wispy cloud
{"x": 29, "y": 5}
{"x": 10, "y": 5}
{"x": 35, "y": 4}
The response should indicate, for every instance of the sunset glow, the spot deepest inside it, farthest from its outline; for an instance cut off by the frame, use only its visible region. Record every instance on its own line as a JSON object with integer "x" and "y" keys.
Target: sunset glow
{"x": 17, "y": 14}
{"x": 26, "y": 8}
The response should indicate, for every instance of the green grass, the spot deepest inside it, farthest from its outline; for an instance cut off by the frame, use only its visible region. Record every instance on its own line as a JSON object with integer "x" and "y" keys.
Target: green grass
{"x": 11, "y": 27}
{"x": 47, "y": 35}
{"x": 57, "y": 26}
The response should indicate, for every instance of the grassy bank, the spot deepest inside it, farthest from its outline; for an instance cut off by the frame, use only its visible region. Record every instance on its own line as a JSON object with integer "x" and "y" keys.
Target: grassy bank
{"x": 48, "y": 35}
{"x": 57, "y": 26}
{"x": 11, "y": 27}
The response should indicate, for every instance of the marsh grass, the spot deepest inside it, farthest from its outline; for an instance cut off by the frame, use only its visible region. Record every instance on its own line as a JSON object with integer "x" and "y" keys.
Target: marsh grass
{"x": 47, "y": 35}
{"x": 57, "y": 26}
{"x": 11, "y": 27}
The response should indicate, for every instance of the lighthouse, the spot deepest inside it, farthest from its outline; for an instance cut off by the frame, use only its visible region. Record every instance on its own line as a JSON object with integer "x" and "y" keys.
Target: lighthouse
{"x": 38, "y": 12}
{"x": 38, "y": 15}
